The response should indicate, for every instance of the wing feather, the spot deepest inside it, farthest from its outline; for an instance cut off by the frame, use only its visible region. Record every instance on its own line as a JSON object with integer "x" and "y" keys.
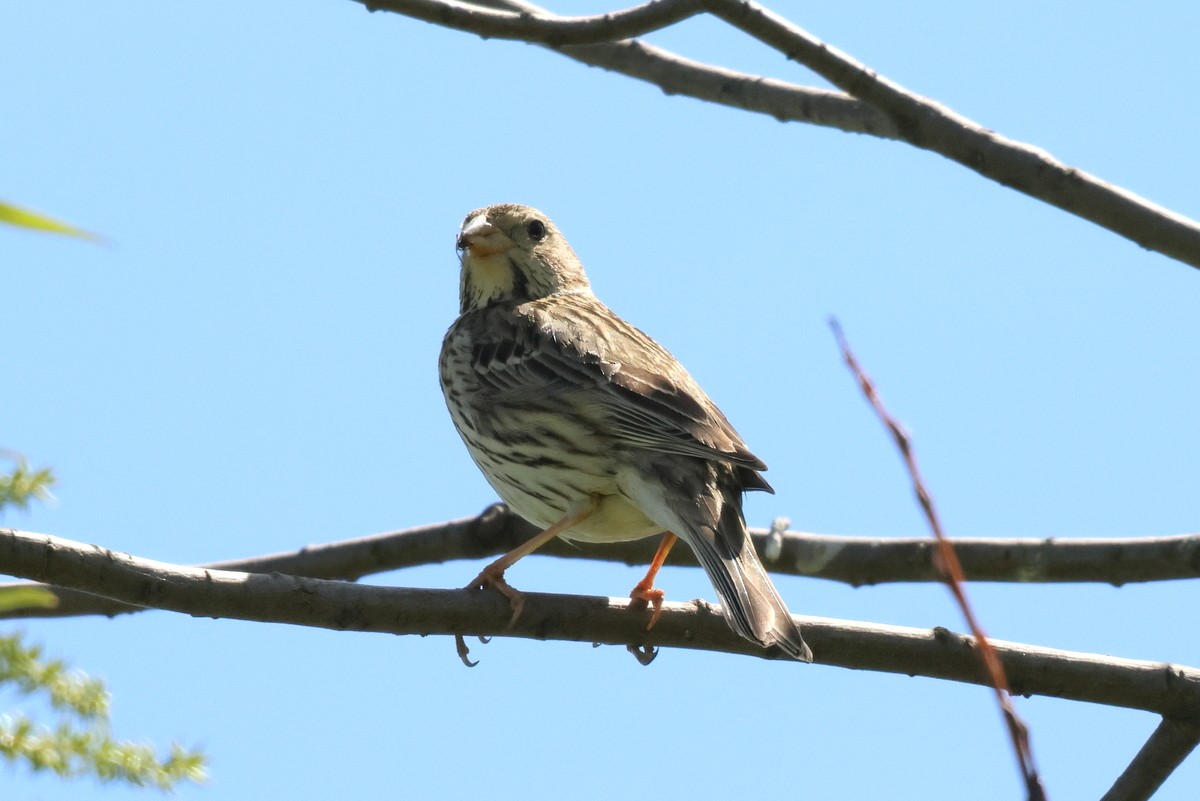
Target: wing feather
{"x": 577, "y": 346}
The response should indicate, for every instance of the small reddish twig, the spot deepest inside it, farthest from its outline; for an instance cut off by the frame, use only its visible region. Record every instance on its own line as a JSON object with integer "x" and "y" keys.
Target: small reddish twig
{"x": 947, "y": 565}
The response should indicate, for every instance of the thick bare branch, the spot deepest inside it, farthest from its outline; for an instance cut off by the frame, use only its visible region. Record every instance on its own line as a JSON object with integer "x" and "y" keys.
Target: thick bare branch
{"x": 854, "y": 560}
{"x": 278, "y": 598}
{"x": 931, "y": 126}
{"x": 905, "y": 115}
{"x": 786, "y": 102}
{"x": 1167, "y": 747}
{"x": 860, "y": 561}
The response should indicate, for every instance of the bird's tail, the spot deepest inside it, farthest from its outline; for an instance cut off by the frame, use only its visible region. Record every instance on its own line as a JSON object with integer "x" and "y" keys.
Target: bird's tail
{"x": 751, "y": 603}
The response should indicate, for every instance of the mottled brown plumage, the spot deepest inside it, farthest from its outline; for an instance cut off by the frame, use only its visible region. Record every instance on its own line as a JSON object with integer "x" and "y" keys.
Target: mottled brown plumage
{"x": 576, "y": 417}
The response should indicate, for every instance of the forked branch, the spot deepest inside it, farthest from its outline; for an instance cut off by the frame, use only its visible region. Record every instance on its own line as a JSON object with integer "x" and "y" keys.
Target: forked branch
{"x": 871, "y": 103}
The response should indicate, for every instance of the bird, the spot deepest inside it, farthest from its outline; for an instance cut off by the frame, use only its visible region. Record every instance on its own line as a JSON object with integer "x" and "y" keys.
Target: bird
{"x": 590, "y": 430}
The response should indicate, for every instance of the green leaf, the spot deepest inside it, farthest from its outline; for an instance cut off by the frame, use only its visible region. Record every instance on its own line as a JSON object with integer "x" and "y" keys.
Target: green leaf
{"x": 26, "y": 598}
{"x": 25, "y": 218}
{"x": 23, "y": 485}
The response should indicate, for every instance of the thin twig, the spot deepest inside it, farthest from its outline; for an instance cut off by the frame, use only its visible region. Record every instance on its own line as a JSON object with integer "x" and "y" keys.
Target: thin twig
{"x": 952, "y": 574}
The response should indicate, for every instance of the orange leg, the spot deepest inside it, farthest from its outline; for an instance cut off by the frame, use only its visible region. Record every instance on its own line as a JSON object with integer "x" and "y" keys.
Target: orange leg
{"x": 493, "y": 574}
{"x": 644, "y": 590}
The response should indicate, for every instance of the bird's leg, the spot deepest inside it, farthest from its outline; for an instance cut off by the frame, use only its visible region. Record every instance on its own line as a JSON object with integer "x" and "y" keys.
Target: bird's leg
{"x": 645, "y": 591}
{"x": 493, "y": 574}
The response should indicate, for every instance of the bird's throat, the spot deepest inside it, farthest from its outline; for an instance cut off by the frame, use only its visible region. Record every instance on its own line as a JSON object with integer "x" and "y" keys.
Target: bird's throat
{"x": 489, "y": 279}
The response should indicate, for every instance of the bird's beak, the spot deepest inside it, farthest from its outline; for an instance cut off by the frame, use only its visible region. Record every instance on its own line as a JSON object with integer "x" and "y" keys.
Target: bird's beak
{"x": 479, "y": 238}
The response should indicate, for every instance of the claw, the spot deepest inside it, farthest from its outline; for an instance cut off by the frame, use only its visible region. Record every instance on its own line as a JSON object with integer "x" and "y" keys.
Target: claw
{"x": 460, "y": 645}
{"x": 644, "y": 654}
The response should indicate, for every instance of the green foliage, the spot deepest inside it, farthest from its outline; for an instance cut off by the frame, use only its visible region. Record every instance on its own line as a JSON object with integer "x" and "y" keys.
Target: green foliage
{"x": 17, "y": 489}
{"x": 70, "y": 751}
{"x": 25, "y": 218}
{"x": 23, "y": 485}
{"x": 81, "y": 744}
{"x": 67, "y": 691}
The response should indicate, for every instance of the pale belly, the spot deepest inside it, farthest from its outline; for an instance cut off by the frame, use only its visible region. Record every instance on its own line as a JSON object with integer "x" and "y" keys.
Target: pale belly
{"x": 613, "y": 519}
{"x": 543, "y": 484}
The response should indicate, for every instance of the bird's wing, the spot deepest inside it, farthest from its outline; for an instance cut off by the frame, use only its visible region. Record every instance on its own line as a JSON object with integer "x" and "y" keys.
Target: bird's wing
{"x": 576, "y": 345}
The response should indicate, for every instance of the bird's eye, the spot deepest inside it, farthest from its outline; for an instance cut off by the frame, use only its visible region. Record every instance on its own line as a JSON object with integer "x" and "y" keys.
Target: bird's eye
{"x": 536, "y": 230}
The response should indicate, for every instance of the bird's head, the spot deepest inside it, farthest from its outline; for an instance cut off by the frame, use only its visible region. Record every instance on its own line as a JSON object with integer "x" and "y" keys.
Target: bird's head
{"x": 513, "y": 253}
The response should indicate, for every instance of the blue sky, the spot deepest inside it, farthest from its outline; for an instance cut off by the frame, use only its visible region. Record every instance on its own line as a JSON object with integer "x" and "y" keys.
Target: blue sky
{"x": 252, "y": 368}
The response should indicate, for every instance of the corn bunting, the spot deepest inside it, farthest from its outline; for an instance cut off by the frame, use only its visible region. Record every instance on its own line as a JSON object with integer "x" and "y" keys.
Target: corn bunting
{"x": 589, "y": 429}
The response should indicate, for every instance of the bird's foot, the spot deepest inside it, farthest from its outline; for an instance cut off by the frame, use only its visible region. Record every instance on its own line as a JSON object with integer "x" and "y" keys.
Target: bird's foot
{"x": 645, "y": 593}
{"x": 495, "y": 579}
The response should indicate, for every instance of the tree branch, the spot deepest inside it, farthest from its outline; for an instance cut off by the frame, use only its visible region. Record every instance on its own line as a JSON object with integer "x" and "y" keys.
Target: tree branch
{"x": 931, "y": 126}
{"x": 917, "y": 120}
{"x": 951, "y": 573}
{"x": 1167, "y": 747}
{"x": 677, "y": 75}
{"x": 540, "y": 26}
{"x": 856, "y": 561}
{"x": 1170, "y": 690}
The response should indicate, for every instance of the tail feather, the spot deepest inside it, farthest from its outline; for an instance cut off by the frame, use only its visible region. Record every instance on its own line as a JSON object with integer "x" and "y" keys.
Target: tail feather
{"x": 703, "y": 507}
{"x": 754, "y": 608}
{"x": 751, "y": 603}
